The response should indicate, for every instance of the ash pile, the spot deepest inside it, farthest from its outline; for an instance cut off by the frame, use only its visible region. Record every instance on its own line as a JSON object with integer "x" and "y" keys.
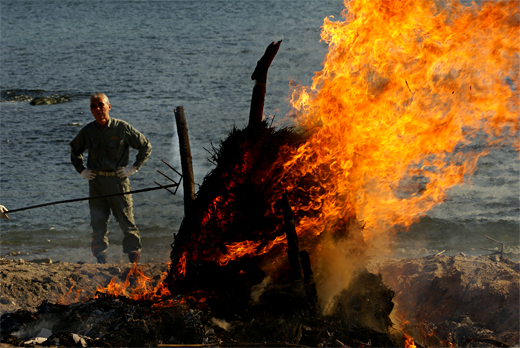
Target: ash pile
{"x": 102, "y": 322}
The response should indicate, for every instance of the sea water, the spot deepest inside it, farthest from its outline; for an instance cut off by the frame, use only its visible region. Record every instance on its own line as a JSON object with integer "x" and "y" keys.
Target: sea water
{"x": 150, "y": 57}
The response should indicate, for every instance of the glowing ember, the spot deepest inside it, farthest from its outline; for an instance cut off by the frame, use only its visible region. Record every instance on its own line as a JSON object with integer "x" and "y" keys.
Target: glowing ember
{"x": 71, "y": 296}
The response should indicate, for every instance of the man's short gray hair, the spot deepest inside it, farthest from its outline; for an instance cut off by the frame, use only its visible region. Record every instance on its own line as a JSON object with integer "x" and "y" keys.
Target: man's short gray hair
{"x": 100, "y": 95}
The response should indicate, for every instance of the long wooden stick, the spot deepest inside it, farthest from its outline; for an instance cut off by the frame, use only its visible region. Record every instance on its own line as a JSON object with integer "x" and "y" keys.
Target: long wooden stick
{"x": 89, "y": 198}
{"x": 186, "y": 161}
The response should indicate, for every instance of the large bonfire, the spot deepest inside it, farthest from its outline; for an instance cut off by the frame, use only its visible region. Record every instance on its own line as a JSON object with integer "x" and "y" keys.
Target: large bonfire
{"x": 411, "y": 94}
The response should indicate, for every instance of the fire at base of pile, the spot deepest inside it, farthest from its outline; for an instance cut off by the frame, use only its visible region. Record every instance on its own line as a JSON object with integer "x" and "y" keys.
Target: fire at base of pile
{"x": 270, "y": 318}
{"x": 439, "y": 303}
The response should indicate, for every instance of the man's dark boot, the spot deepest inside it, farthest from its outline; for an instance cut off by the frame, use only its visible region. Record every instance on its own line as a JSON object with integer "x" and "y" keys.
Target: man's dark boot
{"x": 133, "y": 257}
{"x": 102, "y": 258}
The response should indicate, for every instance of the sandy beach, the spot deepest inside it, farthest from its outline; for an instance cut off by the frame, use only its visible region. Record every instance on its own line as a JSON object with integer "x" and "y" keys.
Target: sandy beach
{"x": 465, "y": 295}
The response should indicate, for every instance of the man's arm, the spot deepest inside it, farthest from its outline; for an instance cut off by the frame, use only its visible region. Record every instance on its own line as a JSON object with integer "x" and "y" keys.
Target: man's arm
{"x": 138, "y": 141}
{"x": 78, "y": 145}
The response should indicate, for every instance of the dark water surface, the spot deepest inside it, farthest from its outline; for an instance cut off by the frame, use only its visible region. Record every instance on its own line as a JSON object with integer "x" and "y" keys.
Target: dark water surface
{"x": 149, "y": 57}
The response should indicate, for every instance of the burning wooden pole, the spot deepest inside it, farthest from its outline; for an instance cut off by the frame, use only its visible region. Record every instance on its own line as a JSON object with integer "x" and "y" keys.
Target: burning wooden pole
{"x": 292, "y": 239}
{"x": 186, "y": 161}
{"x": 308, "y": 281}
{"x": 260, "y": 77}
{"x": 293, "y": 251}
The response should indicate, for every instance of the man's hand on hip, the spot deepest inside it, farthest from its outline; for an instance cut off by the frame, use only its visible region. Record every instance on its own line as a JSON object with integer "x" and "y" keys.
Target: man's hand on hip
{"x": 123, "y": 172}
{"x": 88, "y": 174}
{"x": 2, "y": 211}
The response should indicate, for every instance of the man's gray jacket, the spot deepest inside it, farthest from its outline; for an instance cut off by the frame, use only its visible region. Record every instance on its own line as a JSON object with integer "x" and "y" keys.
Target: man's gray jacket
{"x": 108, "y": 148}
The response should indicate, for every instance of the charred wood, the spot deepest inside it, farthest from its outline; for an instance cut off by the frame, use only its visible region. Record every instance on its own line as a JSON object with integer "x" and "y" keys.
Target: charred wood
{"x": 186, "y": 161}
{"x": 292, "y": 240}
{"x": 310, "y": 285}
{"x": 493, "y": 342}
{"x": 260, "y": 77}
{"x": 293, "y": 252}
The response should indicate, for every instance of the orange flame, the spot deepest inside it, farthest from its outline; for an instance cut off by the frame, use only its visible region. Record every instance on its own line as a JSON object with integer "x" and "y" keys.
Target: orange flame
{"x": 142, "y": 290}
{"x": 70, "y": 296}
{"x": 409, "y": 342}
{"x": 411, "y": 94}
{"x": 405, "y": 88}
{"x": 181, "y": 265}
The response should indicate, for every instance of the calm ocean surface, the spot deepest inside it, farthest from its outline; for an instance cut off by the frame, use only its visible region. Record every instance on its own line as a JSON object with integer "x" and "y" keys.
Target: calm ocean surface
{"x": 150, "y": 57}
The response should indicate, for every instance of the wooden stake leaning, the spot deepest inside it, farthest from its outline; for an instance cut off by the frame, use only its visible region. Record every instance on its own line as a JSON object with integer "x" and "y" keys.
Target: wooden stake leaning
{"x": 186, "y": 161}
{"x": 256, "y": 111}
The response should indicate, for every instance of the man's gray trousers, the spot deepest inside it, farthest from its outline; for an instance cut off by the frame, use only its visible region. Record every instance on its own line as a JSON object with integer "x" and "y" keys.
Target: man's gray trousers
{"x": 121, "y": 207}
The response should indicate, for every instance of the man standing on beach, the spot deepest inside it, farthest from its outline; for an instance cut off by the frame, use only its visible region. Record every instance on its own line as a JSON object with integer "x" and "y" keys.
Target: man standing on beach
{"x": 107, "y": 141}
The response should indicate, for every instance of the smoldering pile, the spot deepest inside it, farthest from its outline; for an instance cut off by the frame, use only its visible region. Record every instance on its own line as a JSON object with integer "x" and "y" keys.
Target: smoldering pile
{"x": 270, "y": 319}
{"x": 107, "y": 321}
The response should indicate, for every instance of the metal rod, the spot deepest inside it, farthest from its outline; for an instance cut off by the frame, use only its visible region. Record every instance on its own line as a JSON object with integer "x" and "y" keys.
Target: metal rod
{"x": 167, "y": 189}
{"x": 167, "y": 177}
{"x": 89, "y": 198}
{"x": 494, "y": 240}
{"x": 172, "y": 168}
{"x": 179, "y": 184}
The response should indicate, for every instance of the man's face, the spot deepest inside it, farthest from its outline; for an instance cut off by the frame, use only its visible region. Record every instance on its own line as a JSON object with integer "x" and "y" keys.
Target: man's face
{"x": 100, "y": 108}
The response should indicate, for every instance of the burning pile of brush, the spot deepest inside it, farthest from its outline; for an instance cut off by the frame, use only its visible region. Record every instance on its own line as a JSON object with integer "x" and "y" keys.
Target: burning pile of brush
{"x": 234, "y": 253}
{"x": 379, "y": 139}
